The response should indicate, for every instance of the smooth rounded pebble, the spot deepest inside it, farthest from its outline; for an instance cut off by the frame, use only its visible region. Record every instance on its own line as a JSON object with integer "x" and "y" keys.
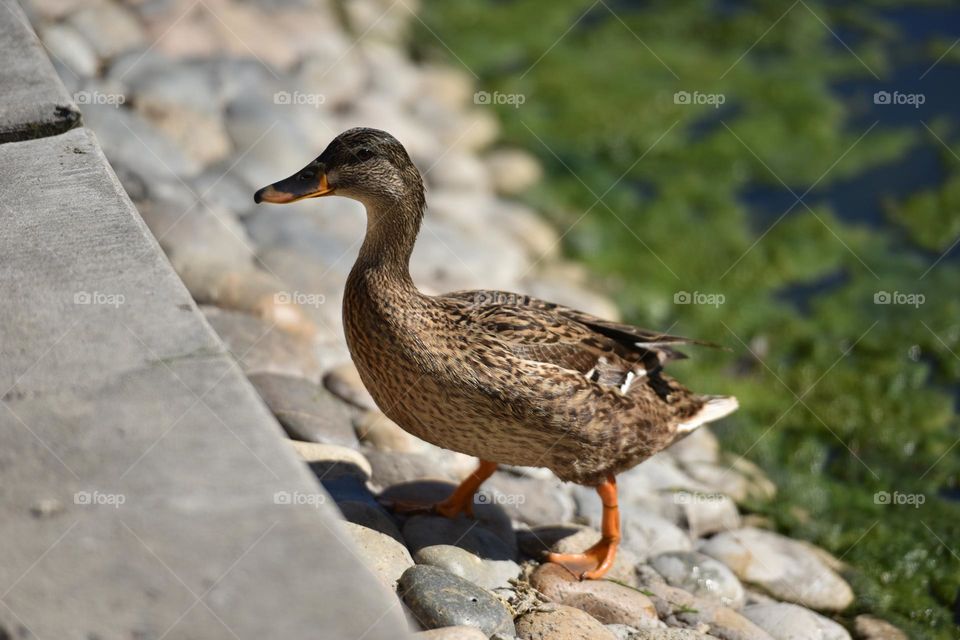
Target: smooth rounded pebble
{"x": 437, "y": 598}
{"x": 785, "y": 568}
{"x": 452, "y": 633}
{"x": 344, "y": 381}
{"x": 370, "y": 516}
{"x": 701, "y": 575}
{"x": 786, "y": 621}
{"x": 608, "y": 602}
{"x": 306, "y": 410}
{"x": 873, "y": 628}
{"x": 386, "y": 557}
{"x": 559, "y": 622}
{"x": 330, "y": 461}
{"x": 489, "y": 574}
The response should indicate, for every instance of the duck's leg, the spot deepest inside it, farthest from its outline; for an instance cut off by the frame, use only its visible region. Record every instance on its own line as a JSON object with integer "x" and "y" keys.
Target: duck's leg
{"x": 460, "y": 501}
{"x": 597, "y": 560}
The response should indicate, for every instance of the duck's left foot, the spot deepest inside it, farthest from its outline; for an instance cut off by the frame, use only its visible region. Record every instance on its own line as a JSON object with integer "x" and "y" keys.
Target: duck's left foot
{"x": 460, "y": 501}
{"x": 592, "y": 564}
{"x": 597, "y": 560}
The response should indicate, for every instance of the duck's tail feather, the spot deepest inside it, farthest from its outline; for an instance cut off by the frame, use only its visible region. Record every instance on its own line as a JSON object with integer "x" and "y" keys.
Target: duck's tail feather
{"x": 714, "y": 408}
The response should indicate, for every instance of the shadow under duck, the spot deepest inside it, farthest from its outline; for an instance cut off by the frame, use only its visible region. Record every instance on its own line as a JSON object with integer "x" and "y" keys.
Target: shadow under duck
{"x": 501, "y": 376}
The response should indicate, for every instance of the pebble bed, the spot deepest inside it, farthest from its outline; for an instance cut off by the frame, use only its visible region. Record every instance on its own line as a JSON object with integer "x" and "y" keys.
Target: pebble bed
{"x": 197, "y": 104}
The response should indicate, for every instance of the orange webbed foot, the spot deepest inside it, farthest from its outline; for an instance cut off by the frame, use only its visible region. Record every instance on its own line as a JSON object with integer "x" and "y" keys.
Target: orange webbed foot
{"x": 597, "y": 560}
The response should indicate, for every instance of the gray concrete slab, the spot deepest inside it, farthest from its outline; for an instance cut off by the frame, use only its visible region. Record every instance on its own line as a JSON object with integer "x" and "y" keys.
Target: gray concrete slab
{"x": 145, "y": 491}
{"x": 33, "y": 101}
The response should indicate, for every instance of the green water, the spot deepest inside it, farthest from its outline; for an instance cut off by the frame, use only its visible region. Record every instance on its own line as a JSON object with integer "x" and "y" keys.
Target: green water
{"x": 841, "y": 397}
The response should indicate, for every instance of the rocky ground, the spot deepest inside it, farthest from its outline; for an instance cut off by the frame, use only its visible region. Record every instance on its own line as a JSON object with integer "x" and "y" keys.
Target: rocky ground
{"x": 197, "y": 104}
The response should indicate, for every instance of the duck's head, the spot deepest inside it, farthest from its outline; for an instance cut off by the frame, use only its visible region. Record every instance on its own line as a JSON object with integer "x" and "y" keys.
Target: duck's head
{"x": 368, "y": 165}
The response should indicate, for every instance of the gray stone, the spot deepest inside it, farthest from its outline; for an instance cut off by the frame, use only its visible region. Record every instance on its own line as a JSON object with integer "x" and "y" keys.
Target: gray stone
{"x": 486, "y": 573}
{"x": 261, "y": 348}
{"x": 134, "y": 145}
{"x": 531, "y": 501}
{"x": 629, "y": 633}
{"x": 607, "y": 601}
{"x": 560, "y": 622}
{"x": 459, "y": 632}
{"x": 377, "y": 430}
{"x": 344, "y": 381}
{"x": 110, "y": 28}
{"x": 699, "y": 446}
{"x": 383, "y": 555}
{"x": 466, "y": 533}
{"x": 130, "y": 413}
{"x": 331, "y": 461}
{"x": 790, "y": 622}
{"x": 438, "y": 598}
{"x": 700, "y": 575}
{"x": 513, "y": 171}
{"x": 68, "y": 47}
{"x": 273, "y": 146}
{"x": 679, "y": 608}
{"x": 35, "y": 102}
{"x": 783, "y": 567}
{"x": 370, "y": 516}
{"x": 305, "y": 409}
{"x": 647, "y": 534}
{"x": 393, "y": 467}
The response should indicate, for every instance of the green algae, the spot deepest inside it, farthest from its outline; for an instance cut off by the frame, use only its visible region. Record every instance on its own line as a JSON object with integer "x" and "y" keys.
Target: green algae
{"x": 844, "y": 326}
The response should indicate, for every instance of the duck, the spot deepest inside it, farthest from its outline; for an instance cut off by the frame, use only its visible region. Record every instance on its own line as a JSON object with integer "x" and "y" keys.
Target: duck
{"x": 502, "y": 376}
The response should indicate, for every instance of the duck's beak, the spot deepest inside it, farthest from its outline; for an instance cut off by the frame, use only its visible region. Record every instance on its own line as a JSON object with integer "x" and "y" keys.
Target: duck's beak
{"x": 293, "y": 189}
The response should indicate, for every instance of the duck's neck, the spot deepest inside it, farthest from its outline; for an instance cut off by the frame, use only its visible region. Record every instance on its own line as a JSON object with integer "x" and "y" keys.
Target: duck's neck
{"x": 392, "y": 227}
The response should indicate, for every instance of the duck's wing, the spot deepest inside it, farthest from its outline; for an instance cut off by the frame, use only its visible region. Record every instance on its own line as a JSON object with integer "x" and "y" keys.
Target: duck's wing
{"x": 525, "y": 320}
{"x": 609, "y": 354}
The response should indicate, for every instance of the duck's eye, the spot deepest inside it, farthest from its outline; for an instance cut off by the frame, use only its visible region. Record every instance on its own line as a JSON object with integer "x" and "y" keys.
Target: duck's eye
{"x": 307, "y": 174}
{"x": 364, "y": 154}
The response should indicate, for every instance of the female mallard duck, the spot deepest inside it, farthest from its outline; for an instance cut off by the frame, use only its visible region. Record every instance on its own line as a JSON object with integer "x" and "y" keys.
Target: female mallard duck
{"x": 501, "y": 376}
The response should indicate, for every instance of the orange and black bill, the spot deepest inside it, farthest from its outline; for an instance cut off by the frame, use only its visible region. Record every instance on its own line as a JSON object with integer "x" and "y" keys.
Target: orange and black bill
{"x": 311, "y": 182}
